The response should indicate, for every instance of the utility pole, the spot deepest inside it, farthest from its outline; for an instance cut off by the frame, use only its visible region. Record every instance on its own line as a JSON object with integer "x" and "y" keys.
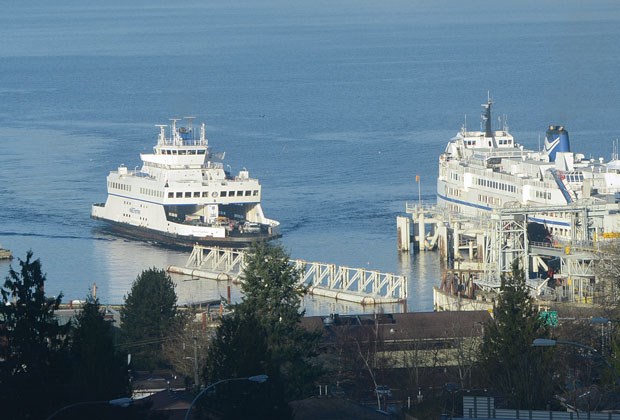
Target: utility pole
{"x": 196, "y": 363}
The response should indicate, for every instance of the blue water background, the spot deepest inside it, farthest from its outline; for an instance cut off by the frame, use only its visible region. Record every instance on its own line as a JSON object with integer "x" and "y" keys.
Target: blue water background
{"x": 334, "y": 106}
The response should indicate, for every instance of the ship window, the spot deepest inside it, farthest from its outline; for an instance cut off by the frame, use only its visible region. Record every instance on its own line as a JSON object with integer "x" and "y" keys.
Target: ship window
{"x": 191, "y": 152}
{"x": 255, "y": 193}
{"x": 239, "y": 193}
{"x": 196, "y": 193}
{"x": 179, "y": 195}
{"x": 170, "y": 195}
{"x": 248, "y": 193}
{"x": 174, "y": 152}
{"x": 182, "y": 152}
{"x": 188, "y": 194}
{"x": 201, "y": 152}
{"x": 205, "y": 193}
{"x": 223, "y": 194}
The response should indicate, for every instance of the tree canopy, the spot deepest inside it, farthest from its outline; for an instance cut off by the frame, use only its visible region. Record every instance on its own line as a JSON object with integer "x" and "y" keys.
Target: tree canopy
{"x": 148, "y": 317}
{"x": 263, "y": 333}
{"x": 33, "y": 345}
{"x": 512, "y": 366}
{"x": 99, "y": 369}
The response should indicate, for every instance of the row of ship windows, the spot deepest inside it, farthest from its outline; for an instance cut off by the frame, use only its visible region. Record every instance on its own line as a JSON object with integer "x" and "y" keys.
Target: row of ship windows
{"x": 501, "y": 142}
{"x": 496, "y": 185}
{"x": 183, "y": 152}
{"x": 454, "y": 192}
{"x": 197, "y": 194}
{"x": 154, "y": 193}
{"x": 574, "y": 176}
{"x": 544, "y": 195}
{"x": 492, "y": 201}
{"x": 454, "y": 208}
{"x": 186, "y": 194}
{"x": 120, "y": 186}
{"x": 558, "y": 231}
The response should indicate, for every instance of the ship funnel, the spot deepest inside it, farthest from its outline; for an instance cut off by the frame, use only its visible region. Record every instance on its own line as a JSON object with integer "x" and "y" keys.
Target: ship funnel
{"x": 556, "y": 140}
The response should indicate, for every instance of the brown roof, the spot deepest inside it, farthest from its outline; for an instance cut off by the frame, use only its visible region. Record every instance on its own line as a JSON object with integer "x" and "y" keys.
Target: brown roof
{"x": 409, "y": 326}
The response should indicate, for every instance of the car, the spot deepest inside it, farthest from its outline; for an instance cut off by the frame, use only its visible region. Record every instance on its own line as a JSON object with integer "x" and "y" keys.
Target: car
{"x": 383, "y": 391}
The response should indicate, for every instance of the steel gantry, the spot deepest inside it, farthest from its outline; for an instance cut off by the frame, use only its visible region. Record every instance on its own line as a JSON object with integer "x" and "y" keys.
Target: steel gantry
{"x": 507, "y": 241}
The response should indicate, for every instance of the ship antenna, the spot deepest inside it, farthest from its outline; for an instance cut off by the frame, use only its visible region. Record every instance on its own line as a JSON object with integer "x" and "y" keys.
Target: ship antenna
{"x": 189, "y": 122}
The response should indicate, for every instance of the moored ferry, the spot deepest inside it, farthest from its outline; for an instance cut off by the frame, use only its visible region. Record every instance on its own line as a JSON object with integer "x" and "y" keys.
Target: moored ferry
{"x": 183, "y": 196}
{"x": 481, "y": 171}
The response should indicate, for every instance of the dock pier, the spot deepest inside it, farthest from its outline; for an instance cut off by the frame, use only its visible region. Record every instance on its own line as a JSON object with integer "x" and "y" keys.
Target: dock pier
{"x": 486, "y": 247}
{"x": 358, "y": 285}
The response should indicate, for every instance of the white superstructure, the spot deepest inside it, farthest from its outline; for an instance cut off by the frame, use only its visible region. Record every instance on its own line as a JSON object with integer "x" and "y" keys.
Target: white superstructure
{"x": 485, "y": 170}
{"x": 182, "y": 195}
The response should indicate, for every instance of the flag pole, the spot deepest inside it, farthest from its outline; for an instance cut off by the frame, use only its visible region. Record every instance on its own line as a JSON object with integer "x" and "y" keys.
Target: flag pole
{"x": 417, "y": 180}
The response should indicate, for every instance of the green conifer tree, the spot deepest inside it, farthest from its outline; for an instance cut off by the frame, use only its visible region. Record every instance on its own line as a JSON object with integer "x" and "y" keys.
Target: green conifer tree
{"x": 33, "y": 357}
{"x": 99, "y": 369}
{"x": 148, "y": 317}
{"x": 263, "y": 334}
{"x": 522, "y": 373}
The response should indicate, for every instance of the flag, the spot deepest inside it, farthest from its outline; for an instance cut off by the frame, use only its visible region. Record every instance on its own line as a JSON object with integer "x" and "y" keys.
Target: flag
{"x": 417, "y": 178}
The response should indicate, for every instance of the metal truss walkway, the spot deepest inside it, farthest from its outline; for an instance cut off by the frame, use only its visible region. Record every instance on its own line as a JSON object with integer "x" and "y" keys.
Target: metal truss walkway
{"x": 358, "y": 285}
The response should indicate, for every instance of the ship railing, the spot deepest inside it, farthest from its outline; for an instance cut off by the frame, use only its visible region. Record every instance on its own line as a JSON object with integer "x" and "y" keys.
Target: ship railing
{"x": 485, "y": 154}
{"x": 608, "y": 190}
{"x": 567, "y": 246}
{"x": 214, "y": 165}
{"x": 511, "y": 178}
{"x": 415, "y": 206}
{"x": 184, "y": 142}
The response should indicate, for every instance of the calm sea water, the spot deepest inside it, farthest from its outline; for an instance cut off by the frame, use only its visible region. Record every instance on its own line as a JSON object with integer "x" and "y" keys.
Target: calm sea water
{"x": 334, "y": 106}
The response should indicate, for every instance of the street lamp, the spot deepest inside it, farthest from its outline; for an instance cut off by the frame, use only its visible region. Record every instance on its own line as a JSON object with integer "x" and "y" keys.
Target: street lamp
{"x": 604, "y": 322}
{"x": 547, "y": 342}
{"x": 117, "y": 402}
{"x": 257, "y": 378}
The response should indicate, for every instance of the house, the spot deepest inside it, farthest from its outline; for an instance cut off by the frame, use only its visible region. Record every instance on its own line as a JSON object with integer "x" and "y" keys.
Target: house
{"x": 410, "y": 352}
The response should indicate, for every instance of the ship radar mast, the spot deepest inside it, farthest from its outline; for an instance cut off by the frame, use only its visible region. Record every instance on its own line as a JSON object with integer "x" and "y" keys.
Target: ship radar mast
{"x": 203, "y": 133}
{"x": 189, "y": 123}
{"x": 162, "y": 133}
{"x": 486, "y": 117}
{"x": 173, "y": 131}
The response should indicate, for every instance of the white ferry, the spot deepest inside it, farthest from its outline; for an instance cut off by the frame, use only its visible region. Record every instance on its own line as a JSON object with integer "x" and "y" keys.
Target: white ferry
{"x": 183, "y": 196}
{"x": 485, "y": 170}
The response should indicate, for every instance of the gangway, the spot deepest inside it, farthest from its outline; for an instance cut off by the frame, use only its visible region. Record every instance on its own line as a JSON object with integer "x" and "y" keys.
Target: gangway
{"x": 567, "y": 191}
{"x": 366, "y": 287}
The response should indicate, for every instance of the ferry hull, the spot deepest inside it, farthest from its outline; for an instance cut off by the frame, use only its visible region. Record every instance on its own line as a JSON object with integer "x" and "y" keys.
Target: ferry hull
{"x": 164, "y": 238}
